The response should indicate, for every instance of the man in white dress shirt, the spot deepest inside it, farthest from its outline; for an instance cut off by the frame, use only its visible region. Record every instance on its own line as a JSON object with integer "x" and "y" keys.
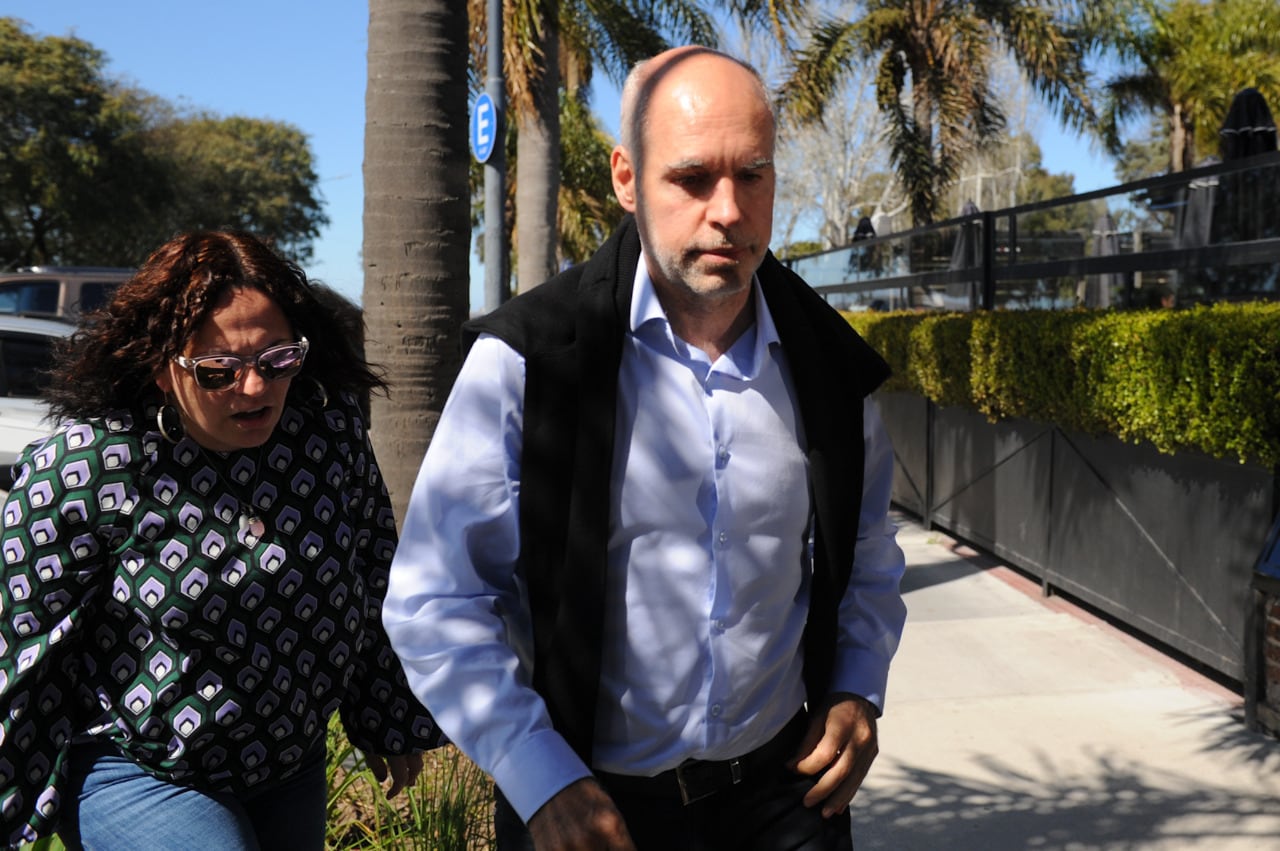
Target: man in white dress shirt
{"x": 647, "y": 580}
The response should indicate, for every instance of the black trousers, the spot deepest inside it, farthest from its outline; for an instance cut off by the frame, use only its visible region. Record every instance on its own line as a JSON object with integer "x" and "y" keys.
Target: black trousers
{"x": 765, "y": 813}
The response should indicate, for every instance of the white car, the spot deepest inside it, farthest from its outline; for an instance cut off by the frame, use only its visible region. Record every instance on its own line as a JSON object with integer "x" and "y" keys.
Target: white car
{"x": 26, "y": 345}
{"x": 58, "y": 292}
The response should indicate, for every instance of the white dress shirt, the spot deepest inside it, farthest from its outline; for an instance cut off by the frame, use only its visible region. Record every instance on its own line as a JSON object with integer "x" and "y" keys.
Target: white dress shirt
{"x": 707, "y": 575}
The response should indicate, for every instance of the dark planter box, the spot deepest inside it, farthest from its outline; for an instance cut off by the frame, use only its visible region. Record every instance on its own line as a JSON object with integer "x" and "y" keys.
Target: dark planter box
{"x": 993, "y": 484}
{"x": 906, "y": 417}
{"x": 1164, "y": 543}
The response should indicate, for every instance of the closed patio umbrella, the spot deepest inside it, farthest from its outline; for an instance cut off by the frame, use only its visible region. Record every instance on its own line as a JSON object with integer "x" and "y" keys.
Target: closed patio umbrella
{"x": 1249, "y": 128}
{"x": 1241, "y": 210}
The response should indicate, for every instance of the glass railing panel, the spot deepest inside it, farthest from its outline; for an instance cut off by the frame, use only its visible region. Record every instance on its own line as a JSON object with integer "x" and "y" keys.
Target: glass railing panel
{"x": 1206, "y": 235}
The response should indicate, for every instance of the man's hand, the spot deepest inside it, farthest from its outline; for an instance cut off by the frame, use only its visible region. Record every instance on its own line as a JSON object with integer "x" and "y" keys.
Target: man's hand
{"x": 581, "y": 817}
{"x": 841, "y": 743}
{"x": 403, "y": 770}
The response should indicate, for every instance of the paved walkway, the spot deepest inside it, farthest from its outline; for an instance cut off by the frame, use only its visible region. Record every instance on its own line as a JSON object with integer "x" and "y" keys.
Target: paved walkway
{"x": 1016, "y": 721}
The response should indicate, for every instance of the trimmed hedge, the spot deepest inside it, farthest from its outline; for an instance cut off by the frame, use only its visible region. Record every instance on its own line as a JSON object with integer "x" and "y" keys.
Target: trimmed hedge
{"x": 1206, "y": 378}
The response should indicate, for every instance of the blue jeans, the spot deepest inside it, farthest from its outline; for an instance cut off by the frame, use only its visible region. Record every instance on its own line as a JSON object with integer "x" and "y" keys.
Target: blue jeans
{"x": 113, "y": 804}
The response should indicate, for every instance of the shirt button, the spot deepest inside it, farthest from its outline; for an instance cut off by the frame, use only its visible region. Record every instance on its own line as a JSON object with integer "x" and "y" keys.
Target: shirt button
{"x": 722, "y": 539}
{"x": 720, "y": 625}
{"x": 716, "y": 710}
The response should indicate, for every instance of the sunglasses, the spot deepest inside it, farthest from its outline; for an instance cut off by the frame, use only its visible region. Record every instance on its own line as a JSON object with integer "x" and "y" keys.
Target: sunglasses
{"x": 218, "y": 372}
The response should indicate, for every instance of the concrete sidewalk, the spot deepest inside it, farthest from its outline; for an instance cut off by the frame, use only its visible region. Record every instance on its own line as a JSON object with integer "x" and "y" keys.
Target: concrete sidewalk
{"x": 1016, "y": 721}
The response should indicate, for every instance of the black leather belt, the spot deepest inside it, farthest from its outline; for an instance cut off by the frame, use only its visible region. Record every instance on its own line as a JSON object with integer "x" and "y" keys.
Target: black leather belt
{"x": 696, "y": 779}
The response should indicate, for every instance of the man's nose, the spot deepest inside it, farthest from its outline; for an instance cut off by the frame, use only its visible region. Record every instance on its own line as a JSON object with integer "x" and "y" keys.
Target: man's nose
{"x": 723, "y": 208}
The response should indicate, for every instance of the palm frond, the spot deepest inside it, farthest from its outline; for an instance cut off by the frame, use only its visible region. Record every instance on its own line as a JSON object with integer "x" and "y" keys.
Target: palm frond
{"x": 817, "y": 69}
{"x": 782, "y": 17}
{"x": 616, "y": 35}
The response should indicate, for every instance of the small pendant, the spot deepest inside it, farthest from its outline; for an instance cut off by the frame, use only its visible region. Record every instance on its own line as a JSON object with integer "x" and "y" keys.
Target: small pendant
{"x": 252, "y": 524}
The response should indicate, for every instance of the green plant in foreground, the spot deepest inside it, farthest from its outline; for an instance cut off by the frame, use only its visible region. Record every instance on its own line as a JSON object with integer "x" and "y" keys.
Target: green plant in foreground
{"x": 449, "y": 809}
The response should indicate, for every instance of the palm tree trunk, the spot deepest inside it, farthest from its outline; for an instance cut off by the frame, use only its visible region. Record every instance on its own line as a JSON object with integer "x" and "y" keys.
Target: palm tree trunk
{"x": 416, "y": 218}
{"x": 1181, "y": 142}
{"x": 538, "y": 169}
{"x": 924, "y": 197}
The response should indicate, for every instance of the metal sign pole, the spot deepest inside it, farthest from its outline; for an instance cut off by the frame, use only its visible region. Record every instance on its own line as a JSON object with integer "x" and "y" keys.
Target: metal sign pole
{"x": 497, "y": 275}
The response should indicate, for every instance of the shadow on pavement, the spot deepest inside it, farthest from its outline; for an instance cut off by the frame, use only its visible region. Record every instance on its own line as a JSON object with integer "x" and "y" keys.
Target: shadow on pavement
{"x": 1114, "y": 806}
{"x": 926, "y": 575}
{"x": 1229, "y": 734}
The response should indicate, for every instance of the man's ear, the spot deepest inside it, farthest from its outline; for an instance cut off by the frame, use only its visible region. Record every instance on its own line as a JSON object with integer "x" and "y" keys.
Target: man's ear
{"x": 164, "y": 381}
{"x": 624, "y": 178}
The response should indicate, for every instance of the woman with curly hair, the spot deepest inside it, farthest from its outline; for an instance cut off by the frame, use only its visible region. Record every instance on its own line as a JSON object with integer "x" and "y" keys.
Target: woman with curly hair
{"x": 194, "y": 566}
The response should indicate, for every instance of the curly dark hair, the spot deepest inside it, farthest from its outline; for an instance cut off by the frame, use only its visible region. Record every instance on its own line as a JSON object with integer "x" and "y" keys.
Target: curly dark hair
{"x": 110, "y": 363}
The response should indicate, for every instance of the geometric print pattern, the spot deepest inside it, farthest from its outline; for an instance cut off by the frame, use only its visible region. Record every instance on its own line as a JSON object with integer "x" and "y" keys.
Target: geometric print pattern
{"x": 137, "y": 607}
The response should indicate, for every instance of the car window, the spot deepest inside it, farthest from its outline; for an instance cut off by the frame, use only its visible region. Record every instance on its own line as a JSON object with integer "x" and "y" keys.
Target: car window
{"x": 24, "y": 362}
{"x": 94, "y": 294}
{"x": 39, "y": 296}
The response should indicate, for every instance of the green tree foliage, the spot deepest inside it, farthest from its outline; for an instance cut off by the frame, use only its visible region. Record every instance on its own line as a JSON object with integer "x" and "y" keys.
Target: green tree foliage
{"x": 933, "y": 78}
{"x": 1039, "y": 184}
{"x": 245, "y": 173}
{"x": 65, "y": 133}
{"x": 799, "y": 248}
{"x": 1184, "y": 60}
{"x": 588, "y": 209}
{"x": 93, "y": 172}
{"x": 1144, "y": 156}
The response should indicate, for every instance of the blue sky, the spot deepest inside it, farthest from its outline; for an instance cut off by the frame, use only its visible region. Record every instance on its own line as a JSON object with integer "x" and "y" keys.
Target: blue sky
{"x": 303, "y": 62}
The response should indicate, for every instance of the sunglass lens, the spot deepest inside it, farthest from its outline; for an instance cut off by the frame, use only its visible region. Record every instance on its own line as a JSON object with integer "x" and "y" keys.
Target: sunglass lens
{"x": 281, "y": 363}
{"x": 217, "y": 373}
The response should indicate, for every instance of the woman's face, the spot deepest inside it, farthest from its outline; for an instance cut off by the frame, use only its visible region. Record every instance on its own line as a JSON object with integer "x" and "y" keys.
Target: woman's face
{"x": 244, "y": 322}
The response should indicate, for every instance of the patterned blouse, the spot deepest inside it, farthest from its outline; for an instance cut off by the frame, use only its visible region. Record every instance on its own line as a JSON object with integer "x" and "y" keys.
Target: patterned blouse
{"x": 206, "y": 612}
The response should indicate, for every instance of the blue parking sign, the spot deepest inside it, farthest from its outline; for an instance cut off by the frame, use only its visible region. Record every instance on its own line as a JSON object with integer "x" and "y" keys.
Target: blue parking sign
{"x": 484, "y": 127}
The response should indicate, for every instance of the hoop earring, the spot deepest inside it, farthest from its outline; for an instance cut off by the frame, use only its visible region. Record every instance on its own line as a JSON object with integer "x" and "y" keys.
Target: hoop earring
{"x": 169, "y": 421}
{"x": 324, "y": 394}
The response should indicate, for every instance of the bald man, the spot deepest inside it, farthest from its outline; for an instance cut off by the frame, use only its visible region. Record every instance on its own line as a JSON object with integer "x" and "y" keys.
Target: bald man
{"x": 647, "y": 580}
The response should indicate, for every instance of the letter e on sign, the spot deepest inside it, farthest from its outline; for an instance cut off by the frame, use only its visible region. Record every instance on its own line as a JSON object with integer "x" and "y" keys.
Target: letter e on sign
{"x": 484, "y": 127}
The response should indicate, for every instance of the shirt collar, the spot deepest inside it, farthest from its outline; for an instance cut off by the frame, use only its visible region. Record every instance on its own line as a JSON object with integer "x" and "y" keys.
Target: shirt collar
{"x": 646, "y": 309}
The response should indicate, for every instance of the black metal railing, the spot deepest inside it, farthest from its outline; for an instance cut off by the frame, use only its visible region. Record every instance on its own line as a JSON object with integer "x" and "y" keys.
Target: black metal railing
{"x": 1200, "y": 236}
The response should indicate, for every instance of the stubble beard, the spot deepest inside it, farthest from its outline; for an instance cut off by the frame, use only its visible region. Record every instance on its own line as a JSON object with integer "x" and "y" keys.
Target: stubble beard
{"x": 698, "y": 283}
{"x": 702, "y": 281}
